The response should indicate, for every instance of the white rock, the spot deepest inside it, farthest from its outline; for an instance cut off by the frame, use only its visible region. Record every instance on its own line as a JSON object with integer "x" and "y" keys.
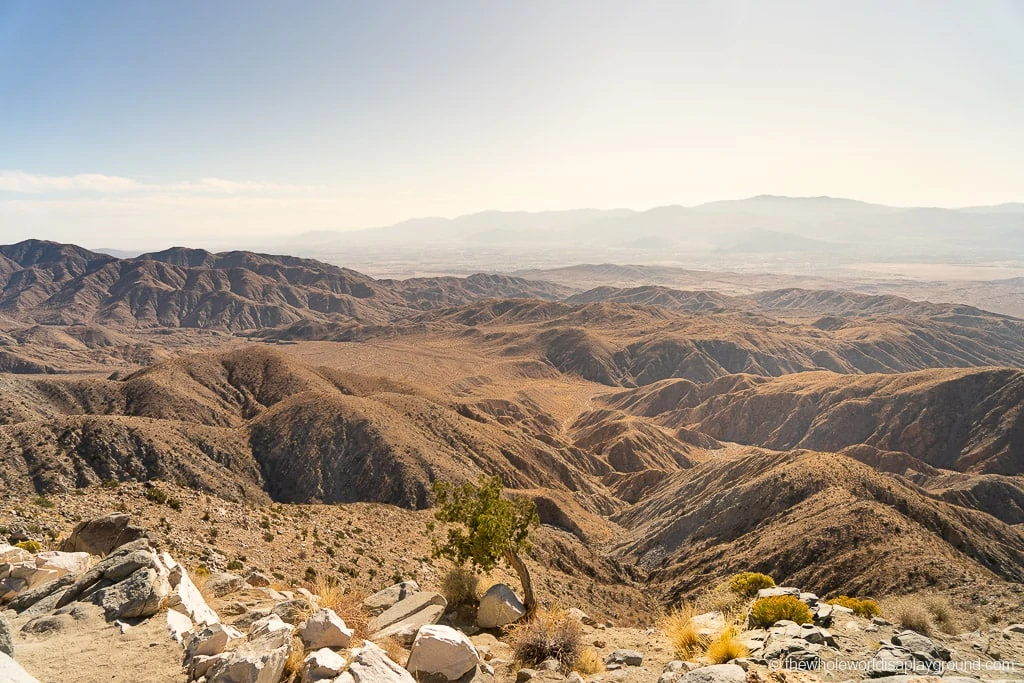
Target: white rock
{"x": 208, "y": 640}
{"x": 385, "y": 599}
{"x": 499, "y": 606}
{"x": 11, "y": 671}
{"x": 442, "y": 651}
{"x": 322, "y": 664}
{"x": 271, "y": 629}
{"x": 405, "y": 630}
{"x": 370, "y": 664}
{"x": 178, "y": 625}
{"x": 709, "y": 623}
{"x": 187, "y": 599}
{"x": 717, "y": 673}
{"x": 66, "y": 563}
{"x": 12, "y": 554}
{"x": 325, "y": 629}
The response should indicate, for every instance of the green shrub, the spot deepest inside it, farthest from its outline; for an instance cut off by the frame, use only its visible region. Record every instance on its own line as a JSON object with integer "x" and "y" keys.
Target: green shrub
{"x": 767, "y": 611}
{"x": 862, "y": 608}
{"x": 31, "y": 546}
{"x": 235, "y": 565}
{"x": 174, "y": 503}
{"x": 748, "y": 583}
{"x": 156, "y": 495}
{"x": 43, "y": 502}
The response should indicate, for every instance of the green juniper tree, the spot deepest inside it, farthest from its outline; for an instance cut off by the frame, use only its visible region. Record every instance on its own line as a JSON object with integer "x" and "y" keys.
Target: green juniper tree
{"x": 490, "y": 528}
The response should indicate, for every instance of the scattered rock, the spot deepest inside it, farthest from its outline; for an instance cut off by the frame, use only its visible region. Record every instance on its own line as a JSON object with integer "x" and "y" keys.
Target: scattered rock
{"x": 717, "y": 673}
{"x": 919, "y": 644}
{"x": 625, "y": 657}
{"x": 325, "y": 629}
{"x": 442, "y": 651}
{"x": 499, "y": 606}
{"x": 271, "y": 628}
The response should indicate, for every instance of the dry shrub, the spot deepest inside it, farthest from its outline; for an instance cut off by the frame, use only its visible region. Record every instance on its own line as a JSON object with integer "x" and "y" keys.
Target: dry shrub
{"x": 296, "y": 658}
{"x": 550, "y": 635}
{"x": 678, "y": 627}
{"x": 725, "y": 648}
{"x": 347, "y": 605}
{"x": 722, "y": 599}
{"x": 910, "y": 613}
{"x": 590, "y": 662}
{"x": 748, "y": 583}
{"x": 767, "y": 611}
{"x": 30, "y": 546}
{"x": 943, "y": 614}
{"x": 862, "y": 608}
{"x": 459, "y": 586}
{"x": 396, "y": 653}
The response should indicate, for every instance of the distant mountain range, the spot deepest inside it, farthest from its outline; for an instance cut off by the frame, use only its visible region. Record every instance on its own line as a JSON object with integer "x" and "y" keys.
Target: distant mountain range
{"x": 764, "y": 224}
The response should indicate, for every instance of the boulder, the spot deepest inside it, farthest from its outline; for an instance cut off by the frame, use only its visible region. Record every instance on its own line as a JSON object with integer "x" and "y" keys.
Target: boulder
{"x": 209, "y": 640}
{"x": 258, "y": 580}
{"x": 251, "y": 662}
{"x": 293, "y": 611}
{"x": 499, "y": 606}
{"x": 6, "y": 640}
{"x": 271, "y": 629}
{"x": 140, "y": 595}
{"x": 64, "y": 562}
{"x": 405, "y": 630}
{"x": 717, "y": 673}
{"x": 224, "y": 583}
{"x": 893, "y": 660}
{"x": 823, "y": 614}
{"x": 324, "y": 664}
{"x": 580, "y": 616}
{"x": 25, "y": 599}
{"x": 442, "y": 651}
{"x": 102, "y": 535}
{"x": 385, "y": 599}
{"x": 325, "y": 629}
{"x": 370, "y": 664}
{"x": 403, "y": 609}
{"x": 919, "y": 644}
{"x": 11, "y": 671}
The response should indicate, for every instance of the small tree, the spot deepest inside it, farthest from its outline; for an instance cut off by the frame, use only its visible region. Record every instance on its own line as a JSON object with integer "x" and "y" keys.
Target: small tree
{"x": 491, "y": 528}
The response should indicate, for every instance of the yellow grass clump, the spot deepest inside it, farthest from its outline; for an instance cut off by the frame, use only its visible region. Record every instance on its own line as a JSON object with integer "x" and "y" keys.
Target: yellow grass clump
{"x": 550, "y": 635}
{"x": 684, "y": 637}
{"x": 726, "y": 648}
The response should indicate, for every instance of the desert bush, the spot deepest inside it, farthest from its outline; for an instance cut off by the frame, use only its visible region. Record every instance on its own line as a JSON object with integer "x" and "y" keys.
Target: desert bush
{"x": 678, "y": 627}
{"x": 943, "y": 614}
{"x": 721, "y": 599}
{"x": 43, "y": 502}
{"x": 296, "y": 658}
{"x": 725, "y": 648}
{"x": 31, "y": 546}
{"x": 862, "y": 608}
{"x": 590, "y": 662}
{"x": 155, "y": 494}
{"x": 767, "y": 611}
{"x": 748, "y": 583}
{"x": 910, "y": 613}
{"x": 550, "y": 635}
{"x": 459, "y": 586}
{"x": 235, "y": 565}
{"x": 394, "y": 650}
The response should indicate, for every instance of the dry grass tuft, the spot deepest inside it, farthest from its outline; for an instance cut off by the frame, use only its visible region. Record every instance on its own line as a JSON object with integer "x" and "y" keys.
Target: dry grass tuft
{"x": 943, "y": 614}
{"x": 551, "y": 635}
{"x": 346, "y": 604}
{"x": 678, "y": 627}
{"x": 590, "y": 662}
{"x": 725, "y": 648}
{"x": 460, "y": 586}
{"x": 722, "y": 599}
{"x": 296, "y": 658}
{"x": 910, "y": 613}
{"x": 396, "y": 653}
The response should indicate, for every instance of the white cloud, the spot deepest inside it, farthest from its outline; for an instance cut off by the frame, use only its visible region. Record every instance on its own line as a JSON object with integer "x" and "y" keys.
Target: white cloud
{"x": 23, "y": 182}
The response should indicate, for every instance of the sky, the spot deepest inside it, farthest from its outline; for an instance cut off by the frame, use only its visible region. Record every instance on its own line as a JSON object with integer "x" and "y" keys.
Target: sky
{"x": 145, "y": 124}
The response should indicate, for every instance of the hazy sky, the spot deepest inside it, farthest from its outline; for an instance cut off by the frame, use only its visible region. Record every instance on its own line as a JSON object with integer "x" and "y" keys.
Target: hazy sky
{"x": 150, "y": 123}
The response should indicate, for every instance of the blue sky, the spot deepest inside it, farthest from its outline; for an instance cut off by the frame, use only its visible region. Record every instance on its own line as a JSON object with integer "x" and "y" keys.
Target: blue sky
{"x": 148, "y": 123}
